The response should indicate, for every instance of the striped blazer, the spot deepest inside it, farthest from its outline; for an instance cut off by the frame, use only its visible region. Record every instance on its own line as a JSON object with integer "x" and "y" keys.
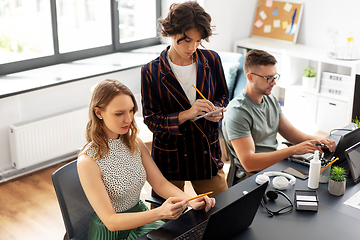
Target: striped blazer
{"x": 189, "y": 151}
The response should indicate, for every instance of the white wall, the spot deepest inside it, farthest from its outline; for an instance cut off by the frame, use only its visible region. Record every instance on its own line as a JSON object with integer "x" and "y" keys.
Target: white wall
{"x": 52, "y": 100}
{"x": 234, "y": 19}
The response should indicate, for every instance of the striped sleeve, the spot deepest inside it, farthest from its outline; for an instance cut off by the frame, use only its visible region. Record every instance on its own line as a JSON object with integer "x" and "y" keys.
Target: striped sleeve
{"x": 153, "y": 101}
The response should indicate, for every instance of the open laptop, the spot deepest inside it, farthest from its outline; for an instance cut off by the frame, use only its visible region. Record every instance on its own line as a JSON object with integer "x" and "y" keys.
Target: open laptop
{"x": 346, "y": 141}
{"x": 353, "y": 158}
{"x": 223, "y": 223}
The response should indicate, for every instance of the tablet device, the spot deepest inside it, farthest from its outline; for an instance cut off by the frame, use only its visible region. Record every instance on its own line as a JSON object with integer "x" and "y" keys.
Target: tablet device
{"x": 208, "y": 114}
{"x": 352, "y": 155}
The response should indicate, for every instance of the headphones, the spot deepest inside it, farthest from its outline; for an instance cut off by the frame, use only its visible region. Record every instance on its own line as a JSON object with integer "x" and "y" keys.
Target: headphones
{"x": 279, "y": 182}
{"x": 272, "y": 195}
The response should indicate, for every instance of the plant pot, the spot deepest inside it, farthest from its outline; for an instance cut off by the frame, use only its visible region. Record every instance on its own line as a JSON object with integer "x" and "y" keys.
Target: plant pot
{"x": 308, "y": 82}
{"x": 336, "y": 188}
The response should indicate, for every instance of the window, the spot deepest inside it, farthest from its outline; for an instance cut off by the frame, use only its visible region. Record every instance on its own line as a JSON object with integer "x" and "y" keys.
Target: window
{"x": 38, "y": 33}
{"x": 25, "y": 30}
{"x": 132, "y": 27}
{"x": 83, "y": 24}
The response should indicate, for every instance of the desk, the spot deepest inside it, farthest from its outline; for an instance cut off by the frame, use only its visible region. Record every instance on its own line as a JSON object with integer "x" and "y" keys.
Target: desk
{"x": 334, "y": 220}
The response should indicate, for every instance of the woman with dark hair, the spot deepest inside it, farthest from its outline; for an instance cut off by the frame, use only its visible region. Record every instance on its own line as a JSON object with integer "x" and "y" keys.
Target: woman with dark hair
{"x": 186, "y": 150}
{"x": 114, "y": 165}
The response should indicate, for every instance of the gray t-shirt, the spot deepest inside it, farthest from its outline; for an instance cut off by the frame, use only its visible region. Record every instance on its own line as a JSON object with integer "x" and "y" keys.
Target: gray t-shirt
{"x": 244, "y": 118}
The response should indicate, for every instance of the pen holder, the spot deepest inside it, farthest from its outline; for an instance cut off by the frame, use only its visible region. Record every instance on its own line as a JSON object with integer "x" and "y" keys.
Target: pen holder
{"x": 324, "y": 175}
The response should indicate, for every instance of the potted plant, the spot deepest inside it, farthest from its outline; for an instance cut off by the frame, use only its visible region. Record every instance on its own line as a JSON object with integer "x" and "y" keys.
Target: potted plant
{"x": 337, "y": 181}
{"x": 309, "y": 78}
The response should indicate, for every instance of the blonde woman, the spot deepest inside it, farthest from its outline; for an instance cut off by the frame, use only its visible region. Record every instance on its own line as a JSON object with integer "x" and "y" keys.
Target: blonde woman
{"x": 114, "y": 165}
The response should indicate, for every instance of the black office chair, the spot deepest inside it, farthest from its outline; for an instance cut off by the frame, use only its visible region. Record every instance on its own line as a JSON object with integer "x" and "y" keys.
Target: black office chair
{"x": 231, "y": 179}
{"x": 75, "y": 207}
{"x": 155, "y": 201}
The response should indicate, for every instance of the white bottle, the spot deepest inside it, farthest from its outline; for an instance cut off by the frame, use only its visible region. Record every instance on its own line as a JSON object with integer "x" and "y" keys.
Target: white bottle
{"x": 314, "y": 171}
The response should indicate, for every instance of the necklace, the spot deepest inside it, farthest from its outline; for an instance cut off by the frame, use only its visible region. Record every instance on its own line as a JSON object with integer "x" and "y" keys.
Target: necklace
{"x": 184, "y": 79}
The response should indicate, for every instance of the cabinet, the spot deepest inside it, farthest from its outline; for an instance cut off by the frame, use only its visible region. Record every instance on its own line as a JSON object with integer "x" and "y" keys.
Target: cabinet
{"x": 323, "y": 108}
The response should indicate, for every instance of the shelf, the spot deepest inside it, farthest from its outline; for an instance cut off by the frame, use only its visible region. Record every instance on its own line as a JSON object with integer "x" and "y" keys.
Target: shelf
{"x": 292, "y": 59}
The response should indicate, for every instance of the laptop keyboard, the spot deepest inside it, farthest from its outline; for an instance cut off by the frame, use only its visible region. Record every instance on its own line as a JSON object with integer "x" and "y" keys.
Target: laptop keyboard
{"x": 195, "y": 233}
{"x": 306, "y": 160}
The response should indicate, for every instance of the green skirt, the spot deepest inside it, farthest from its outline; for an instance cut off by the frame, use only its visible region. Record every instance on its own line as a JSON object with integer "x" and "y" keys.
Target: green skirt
{"x": 98, "y": 231}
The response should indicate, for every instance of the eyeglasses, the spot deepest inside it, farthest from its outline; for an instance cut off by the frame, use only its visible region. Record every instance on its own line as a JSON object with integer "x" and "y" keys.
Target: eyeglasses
{"x": 269, "y": 79}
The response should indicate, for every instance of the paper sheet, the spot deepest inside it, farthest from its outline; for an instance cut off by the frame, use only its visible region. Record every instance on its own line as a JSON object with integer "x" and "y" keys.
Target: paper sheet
{"x": 263, "y": 15}
{"x": 354, "y": 201}
{"x": 287, "y": 7}
{"x": 259, "y": 23}
{"x": 276, "y": 23}
{"x": 208, "y": 114}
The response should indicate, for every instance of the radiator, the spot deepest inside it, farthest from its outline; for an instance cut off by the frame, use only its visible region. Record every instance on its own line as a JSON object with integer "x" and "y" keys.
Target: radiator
{"x": 48, "y": 138}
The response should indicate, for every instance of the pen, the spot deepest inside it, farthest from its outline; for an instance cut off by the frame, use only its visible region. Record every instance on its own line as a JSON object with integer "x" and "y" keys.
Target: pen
{"x": 293, "y": 20}
{"x": 204, "y": 194}
{"x": 319, "y": 144}
{"x": 199, "y": 92}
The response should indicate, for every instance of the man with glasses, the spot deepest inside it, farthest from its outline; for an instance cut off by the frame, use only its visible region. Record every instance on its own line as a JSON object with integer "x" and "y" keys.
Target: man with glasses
{"x": 254, "y": 118}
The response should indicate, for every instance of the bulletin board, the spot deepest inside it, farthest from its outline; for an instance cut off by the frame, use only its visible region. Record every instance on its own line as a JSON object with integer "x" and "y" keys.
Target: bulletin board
{"x": 277, "y": 19}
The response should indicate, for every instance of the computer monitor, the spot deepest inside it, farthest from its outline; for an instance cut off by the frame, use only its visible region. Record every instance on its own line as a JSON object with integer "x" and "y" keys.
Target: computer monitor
{"x": 353, "y": 158}
{"x": 356, "y": 102}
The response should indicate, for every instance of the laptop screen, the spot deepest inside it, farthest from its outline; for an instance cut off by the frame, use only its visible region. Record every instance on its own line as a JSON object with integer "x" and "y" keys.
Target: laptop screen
{"x": 353, "y": 158}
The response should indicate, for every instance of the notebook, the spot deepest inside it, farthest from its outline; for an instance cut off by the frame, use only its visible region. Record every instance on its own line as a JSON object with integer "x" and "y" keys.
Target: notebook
{"x": 346, "y": 141}
{"x": 353, "y": 158}
{"x": 223, "y": 223}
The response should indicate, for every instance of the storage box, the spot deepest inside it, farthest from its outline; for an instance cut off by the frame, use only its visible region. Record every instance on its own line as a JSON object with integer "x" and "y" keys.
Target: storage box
{"x": 306, "y": 200}
{"x": 334, "y": 77}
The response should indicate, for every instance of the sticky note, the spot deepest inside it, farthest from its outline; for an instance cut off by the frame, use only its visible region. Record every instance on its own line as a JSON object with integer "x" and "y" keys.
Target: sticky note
{"x": 267, "y": 28}
{"x": 276, "y": 23}
{"x": 269, "y": 3}
{"x": 287, "y": 7}
{"x": 263, "y": 15}
{"x": 259, "y": 23}
{"x": 285, "y": 24}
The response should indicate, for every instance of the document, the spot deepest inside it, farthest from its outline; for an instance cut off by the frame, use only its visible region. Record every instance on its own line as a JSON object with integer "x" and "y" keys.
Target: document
{"x": 354, "y": 201}
{"x": 208, "y": 114}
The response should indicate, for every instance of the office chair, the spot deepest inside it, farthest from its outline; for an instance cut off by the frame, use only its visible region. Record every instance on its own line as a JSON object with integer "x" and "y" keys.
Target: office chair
{"x": 230, "y": 179}
{"x": 155, "y": 201}
{"x": 75, "y": 207}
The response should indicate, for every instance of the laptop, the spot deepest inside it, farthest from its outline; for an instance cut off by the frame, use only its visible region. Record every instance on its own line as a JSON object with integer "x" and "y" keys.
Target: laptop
{"x": 344, "y": 142}
{"x": 353, "y": 158}
{"x": 224, "y": 223}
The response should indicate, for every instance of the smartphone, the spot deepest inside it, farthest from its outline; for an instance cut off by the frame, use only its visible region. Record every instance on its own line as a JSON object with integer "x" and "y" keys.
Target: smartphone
{"x": 295, "y": 172}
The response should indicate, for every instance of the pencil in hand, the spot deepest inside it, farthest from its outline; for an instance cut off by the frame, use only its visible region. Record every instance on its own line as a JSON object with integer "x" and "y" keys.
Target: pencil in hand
{"x": 199, "y": 92}
{"x": 201, "y": 195}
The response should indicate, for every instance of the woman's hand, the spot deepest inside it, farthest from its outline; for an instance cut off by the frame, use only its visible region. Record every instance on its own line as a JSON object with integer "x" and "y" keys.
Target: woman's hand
{"x": 172, "y": 208}
{"x": 202, "y": 202}
{"x": 216, "y": 117}
{"x": 200, "y": 107}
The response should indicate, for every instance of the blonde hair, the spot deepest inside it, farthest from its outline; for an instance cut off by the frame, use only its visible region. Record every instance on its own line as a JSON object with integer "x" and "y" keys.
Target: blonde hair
{"x": 103, "y": 94}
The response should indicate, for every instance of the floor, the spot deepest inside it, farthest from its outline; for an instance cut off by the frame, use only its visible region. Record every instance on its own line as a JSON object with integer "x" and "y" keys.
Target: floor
{"x": 29, "y": 208}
